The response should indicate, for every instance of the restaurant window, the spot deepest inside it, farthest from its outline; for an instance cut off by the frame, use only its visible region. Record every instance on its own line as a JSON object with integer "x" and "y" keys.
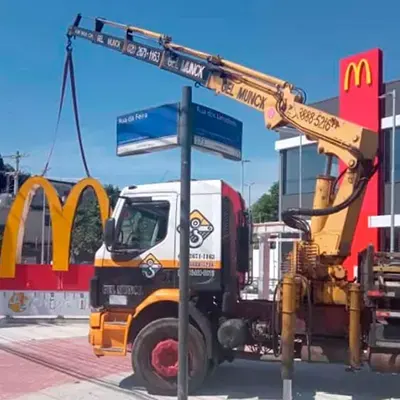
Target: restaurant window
{"x": 313, "y": 164}
{"x": 387, "y": 159}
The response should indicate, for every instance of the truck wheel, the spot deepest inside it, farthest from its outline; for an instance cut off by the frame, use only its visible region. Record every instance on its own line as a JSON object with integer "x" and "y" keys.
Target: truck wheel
{"x": 155, "y": 357}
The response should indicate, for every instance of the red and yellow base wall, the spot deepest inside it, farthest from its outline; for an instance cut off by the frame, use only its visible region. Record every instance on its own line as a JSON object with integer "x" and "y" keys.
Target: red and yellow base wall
{"x": 55, "y": 289}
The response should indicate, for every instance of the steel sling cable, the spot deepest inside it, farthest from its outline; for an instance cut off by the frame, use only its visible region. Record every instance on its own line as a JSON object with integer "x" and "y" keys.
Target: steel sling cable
{"x": 75, "y": 105}
{"x": 63, "y": 86}
{"x": 68, "y": 67}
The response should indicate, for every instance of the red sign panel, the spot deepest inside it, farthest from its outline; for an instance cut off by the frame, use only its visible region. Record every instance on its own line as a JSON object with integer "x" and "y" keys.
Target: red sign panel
{"x": 360, "y": 87}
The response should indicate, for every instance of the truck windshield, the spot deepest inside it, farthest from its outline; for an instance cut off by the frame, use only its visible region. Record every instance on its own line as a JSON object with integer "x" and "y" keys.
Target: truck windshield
{"x": 142, "y": 225}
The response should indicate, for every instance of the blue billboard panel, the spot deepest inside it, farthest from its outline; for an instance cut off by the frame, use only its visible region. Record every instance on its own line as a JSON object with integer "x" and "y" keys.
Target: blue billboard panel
{"x": 148, "y": 130}
{"x": 157, "y": 128}
{"x": 217, "y": 133}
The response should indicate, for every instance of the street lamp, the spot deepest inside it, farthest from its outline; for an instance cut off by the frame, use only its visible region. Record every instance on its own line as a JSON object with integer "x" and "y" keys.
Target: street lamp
{"x": 250, "y": 185}
{"x": 242, "y": 175}
{"x": 392, "y": 167}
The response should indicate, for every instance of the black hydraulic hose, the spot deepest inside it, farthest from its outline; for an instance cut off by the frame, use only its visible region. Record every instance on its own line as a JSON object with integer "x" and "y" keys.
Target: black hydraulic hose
{"x": 292, "y": 216}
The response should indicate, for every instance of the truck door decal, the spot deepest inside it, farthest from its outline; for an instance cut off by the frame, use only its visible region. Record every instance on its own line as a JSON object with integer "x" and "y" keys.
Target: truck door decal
{"x": 150, "y": 266}
{"x": 200, "y": 229}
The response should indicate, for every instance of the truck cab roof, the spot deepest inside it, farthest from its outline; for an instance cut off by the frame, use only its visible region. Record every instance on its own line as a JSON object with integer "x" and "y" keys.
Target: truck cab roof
{"x": 197, "y": 187}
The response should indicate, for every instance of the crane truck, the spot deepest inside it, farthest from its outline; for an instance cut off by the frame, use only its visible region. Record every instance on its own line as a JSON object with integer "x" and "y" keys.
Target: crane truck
{"x": 317, "y": 314}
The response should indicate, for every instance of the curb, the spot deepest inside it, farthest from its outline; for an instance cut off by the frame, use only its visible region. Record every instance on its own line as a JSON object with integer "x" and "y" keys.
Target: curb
{"x": 34, "y": 320}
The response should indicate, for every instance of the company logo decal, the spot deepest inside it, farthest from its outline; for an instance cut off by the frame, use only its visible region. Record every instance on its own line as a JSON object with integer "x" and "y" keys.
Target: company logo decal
{"x": 200, "y": 229}
{"x": 62, "y": 220}
{"x": 18, "y": 302}
{"x": 357, "y": 69}
{"x": 150, "y": 266}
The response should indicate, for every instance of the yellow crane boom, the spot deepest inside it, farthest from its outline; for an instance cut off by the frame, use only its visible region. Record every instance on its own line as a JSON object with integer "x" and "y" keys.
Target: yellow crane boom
{"x": 335, "y": 212}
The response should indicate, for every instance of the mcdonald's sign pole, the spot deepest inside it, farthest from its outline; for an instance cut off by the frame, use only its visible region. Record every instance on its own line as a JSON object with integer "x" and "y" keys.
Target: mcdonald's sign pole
{"x": 360, "y": 88}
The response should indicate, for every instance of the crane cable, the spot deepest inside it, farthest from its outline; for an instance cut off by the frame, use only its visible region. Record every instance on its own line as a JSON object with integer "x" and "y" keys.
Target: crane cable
{"x": 68, "y": 68}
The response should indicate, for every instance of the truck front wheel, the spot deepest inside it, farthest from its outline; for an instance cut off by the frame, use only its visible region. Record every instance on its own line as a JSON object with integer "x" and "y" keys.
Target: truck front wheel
{"x": 155, "y": 357}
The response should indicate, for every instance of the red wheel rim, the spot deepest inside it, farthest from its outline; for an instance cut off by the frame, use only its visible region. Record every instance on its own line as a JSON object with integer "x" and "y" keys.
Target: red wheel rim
{"x": 164, "y": 358}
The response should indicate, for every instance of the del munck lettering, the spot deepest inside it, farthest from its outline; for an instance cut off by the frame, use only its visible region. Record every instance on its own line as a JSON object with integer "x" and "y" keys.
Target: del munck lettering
{"x": 251, "y": 98}
{"x": 193, "y": 69}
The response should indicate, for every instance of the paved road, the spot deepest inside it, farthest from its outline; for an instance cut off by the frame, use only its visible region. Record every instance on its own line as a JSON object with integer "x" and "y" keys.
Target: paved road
{"x": 43, "y": 362}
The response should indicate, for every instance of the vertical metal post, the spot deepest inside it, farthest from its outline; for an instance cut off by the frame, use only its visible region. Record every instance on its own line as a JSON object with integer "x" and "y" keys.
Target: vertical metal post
{"x": 392, "y": 173}
{"x": 185, "y": 140}
{"x": 242, "y": 176}
{"x": 288, "y": 333}
{"x": 43, "y": 227}
{"x": 281, "y": 177}
{"x": 300, "y": 173}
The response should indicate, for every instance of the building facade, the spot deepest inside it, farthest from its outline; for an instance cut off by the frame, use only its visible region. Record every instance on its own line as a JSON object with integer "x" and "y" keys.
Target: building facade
{"x": 363, "y": 98}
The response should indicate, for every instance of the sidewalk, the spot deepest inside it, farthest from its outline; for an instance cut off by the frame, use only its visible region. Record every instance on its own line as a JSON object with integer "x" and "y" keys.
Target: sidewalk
{"x": 46, "y": 361}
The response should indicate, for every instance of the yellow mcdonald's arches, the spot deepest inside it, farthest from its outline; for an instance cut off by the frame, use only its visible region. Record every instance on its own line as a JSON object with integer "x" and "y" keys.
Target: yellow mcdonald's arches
{"x": 62, "y": 219}
{"x": 357, "y": 69}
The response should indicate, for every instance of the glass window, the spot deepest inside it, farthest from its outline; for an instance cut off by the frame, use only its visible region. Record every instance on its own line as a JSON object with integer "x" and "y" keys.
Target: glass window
{"x": 387, "y": 159}
{"x": 142, "y": 225}
{"x": 386, "y": 239}
{"x": 313, "y": 164}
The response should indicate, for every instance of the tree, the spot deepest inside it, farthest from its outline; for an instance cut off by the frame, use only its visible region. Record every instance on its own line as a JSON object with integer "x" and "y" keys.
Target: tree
{"x": 87, "y": 232}
{"x": 266, "y": 208}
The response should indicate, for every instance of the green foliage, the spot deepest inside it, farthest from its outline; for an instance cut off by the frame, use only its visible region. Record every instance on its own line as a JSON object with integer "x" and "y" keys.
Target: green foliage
{"x": 267, "y": 206}
{"x": 87, "y": 233}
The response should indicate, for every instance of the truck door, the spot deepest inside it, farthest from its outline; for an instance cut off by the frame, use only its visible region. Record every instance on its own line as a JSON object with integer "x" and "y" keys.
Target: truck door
{"x": 143, "y": 258}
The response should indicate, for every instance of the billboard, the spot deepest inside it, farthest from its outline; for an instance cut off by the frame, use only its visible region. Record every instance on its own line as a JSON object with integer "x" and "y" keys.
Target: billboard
{"x": 360, "y": 88}
{"x": 62, "y": 220}
{"x": 155, "y": 129}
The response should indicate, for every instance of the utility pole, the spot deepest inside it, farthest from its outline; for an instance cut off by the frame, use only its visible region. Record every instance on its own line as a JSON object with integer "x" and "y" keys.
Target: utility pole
{"x": 17, "y": 157}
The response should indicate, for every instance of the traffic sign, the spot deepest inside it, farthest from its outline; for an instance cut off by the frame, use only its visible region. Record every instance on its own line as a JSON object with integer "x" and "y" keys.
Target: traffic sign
{"x": 155, "y": 129}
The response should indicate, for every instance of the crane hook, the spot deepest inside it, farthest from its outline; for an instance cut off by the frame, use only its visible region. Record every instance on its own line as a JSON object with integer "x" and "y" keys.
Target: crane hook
{"x": 69, "y": 44}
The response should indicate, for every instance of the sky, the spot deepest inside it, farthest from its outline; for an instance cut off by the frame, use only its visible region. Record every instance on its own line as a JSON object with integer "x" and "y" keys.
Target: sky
{"x": 298, "y": 41}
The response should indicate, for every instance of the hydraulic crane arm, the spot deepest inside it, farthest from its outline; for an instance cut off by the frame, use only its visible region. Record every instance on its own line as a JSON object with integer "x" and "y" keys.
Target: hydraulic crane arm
{"x": 282, "y": 104}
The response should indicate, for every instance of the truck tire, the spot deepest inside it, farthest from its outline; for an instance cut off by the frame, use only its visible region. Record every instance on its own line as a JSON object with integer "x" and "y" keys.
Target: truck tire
{"x": 155, "y": 357}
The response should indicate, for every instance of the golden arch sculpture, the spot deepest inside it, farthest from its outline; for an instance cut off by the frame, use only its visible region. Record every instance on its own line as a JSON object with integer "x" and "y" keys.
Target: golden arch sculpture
{"x": 62, "y": 219}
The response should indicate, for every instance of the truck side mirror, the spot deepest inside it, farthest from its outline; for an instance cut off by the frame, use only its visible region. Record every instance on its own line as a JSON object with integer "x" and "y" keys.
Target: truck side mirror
{"x": 109, "y": 233}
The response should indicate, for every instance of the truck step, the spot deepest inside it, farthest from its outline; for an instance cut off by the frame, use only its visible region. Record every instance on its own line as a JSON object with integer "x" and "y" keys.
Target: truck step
{"x": 387, "y": 314}
{"x": 109, "y": 351}
{"x": 387, "y": 344}
{"x": 115, "y": 323}
{"x": 112, "y": 349}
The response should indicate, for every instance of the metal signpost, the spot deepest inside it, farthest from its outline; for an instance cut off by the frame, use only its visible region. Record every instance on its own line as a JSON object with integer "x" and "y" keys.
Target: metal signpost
{"x": 185, "y": 124}
{"x": 185, "y": 141}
